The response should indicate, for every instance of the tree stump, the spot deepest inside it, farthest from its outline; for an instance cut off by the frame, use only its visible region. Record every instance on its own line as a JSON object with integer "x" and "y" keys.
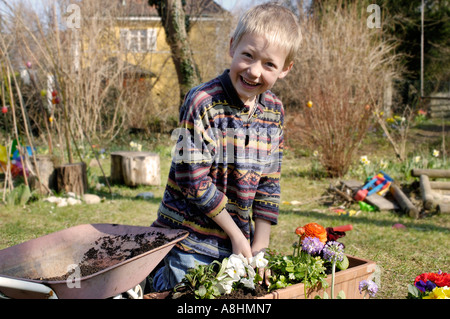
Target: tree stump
{"x": 444, "y": 208}
{"x": 72, "y": 178}
{"x": 46, "y": 171}
{"x": 135, "y": 168}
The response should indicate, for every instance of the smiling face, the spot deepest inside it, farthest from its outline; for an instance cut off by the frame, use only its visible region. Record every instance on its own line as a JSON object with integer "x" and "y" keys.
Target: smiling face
{"x": 255, "y": 67}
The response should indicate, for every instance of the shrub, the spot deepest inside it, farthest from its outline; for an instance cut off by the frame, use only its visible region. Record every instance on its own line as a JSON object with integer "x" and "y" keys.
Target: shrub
{"x": 337, "y": 84}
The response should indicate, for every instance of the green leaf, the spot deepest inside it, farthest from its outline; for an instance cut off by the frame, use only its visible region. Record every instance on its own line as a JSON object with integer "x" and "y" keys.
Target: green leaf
{"x": 341, "y": 295}
{"x": 413, "y": 292}
{"x": 201, "y": 291}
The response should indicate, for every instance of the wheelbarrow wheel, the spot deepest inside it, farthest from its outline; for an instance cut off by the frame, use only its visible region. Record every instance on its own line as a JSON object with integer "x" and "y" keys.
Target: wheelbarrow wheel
{"x": 133, "y": 293}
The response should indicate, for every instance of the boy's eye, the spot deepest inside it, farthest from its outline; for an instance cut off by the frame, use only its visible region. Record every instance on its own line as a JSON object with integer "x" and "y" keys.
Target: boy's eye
{"x": 271, "y": 65}
{"x": 248, "y": 55}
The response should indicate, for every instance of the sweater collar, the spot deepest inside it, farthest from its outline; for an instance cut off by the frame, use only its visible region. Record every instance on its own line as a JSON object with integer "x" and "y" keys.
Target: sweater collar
{"x": 232, "y": 94}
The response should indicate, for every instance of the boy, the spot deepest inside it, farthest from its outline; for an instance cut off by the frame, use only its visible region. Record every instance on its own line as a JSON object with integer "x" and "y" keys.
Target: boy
{"x": 226, "y": 166}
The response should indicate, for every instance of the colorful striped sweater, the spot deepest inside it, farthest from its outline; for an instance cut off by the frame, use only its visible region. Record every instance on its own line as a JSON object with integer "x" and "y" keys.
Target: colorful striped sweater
{"x": 223, "y": 159}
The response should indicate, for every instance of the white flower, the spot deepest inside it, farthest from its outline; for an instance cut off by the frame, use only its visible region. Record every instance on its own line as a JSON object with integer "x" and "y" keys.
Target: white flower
{"x": 435, "y": 153}
{"x": 316, "y": 153}
{"x": 259, "y": 261}
{"x": 416, "y": 159}
{"x": 225, "y": 285}
{"x": 136, "y": 146}
{"x": 364, "y": 160}
{"x": 383, "y": 164}
{"x": 236, "y": 266}
{"x": 250, "y": 271}
{"x": 248, "y": 282}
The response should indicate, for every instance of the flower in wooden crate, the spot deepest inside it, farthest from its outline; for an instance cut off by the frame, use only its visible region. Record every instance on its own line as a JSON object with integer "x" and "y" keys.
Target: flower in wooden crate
{"x": 312, "y": 230}
{"x": 312, "y": 245}
{"x": 333, "y": 251}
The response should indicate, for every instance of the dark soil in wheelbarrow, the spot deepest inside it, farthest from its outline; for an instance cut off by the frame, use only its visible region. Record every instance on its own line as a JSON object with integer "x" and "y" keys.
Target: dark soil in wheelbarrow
{"x": 111, "y": 250}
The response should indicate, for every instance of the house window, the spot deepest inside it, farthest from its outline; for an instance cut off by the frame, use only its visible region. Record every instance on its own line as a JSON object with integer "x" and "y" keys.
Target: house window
{"x": 138, "y": 40}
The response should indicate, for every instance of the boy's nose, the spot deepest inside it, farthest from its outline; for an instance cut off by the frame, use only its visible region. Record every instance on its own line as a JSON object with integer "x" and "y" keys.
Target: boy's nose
{"x": 254, "y": 70}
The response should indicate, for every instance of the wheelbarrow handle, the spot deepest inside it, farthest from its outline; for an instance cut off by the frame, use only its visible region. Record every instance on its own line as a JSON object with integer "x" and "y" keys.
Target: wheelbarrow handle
{"x": 27, "y": 286}
{"x": 343, "y": 228}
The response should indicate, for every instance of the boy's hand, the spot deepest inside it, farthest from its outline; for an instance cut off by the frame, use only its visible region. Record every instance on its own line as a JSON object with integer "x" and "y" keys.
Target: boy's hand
{"x": 241, "y": 246}
{"x": 261, "y": 243}
{"x": 239, "y": 243}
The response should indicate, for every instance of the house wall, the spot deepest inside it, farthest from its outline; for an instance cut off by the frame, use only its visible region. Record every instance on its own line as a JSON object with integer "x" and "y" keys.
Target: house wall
{"x": 210, "y": 53}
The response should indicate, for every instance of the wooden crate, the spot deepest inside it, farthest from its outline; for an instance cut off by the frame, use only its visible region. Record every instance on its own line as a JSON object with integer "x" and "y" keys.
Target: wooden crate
{"x": 347, "y": 280}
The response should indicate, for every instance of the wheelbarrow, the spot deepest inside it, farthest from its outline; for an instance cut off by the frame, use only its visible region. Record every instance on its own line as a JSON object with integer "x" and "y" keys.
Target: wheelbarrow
{"x": 91, "y": 261}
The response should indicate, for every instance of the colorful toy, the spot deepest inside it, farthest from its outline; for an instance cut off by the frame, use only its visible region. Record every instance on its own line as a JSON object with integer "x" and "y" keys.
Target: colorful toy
{"x": 380, "y": 184}
{"x": 15, "y": 163}
{"x": 334, "y": 233}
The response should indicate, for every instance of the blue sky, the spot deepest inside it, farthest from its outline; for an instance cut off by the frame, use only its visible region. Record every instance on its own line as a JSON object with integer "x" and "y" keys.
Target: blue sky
{"x": 231, "y": 5}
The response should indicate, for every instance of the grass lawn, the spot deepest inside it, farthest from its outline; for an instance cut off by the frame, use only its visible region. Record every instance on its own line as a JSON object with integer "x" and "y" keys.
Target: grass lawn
{"x": 401, "y": 254}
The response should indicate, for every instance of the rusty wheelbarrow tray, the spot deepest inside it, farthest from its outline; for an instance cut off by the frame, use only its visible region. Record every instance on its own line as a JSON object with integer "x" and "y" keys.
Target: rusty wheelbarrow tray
{"x": 53, "y": 264}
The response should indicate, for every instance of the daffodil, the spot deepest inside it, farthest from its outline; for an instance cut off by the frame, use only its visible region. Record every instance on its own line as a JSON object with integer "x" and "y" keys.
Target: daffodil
{"x": 364, "y": 160}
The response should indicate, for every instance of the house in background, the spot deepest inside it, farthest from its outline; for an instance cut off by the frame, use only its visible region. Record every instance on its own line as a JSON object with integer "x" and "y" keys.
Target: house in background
{"x": 143, "y": 46}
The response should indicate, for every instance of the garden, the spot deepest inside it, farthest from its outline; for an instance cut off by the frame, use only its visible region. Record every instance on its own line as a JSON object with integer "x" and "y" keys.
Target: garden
{"x": 402, "y": 247}
{"x": 348, "y": 132}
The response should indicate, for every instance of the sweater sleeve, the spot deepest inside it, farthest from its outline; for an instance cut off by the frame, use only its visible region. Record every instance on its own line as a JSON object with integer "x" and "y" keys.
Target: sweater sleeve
{"x": 267, "y": 197}
{"x": 194, "y": 156}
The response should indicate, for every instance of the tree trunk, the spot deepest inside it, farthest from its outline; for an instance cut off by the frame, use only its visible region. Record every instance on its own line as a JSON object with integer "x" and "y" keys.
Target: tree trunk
{"x": 72, "y": 177}
{"x": 135, "y": 168}
{"x": 173, "y": 19}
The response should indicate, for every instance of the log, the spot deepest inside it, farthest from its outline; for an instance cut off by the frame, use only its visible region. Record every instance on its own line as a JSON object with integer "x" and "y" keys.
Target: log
{"x": 406, "y": 205}
{"x": 427, "y": 195}
{"x": 72, "y": 178}
{"x": 47, "y": 175}
{"x": 135, "y": 168}
{"x": 433, "y": 173}
{"x": 443, "y": 208}
{"x": 440, "y": 185}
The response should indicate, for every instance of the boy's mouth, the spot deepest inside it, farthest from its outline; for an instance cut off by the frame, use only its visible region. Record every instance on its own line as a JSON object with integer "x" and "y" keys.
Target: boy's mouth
{"x": 249, "y": 83}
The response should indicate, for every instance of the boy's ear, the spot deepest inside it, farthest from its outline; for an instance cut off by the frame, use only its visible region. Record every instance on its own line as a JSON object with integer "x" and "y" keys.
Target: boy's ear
{"x": 286, "y": 70}
{"x": 231, "y": 50}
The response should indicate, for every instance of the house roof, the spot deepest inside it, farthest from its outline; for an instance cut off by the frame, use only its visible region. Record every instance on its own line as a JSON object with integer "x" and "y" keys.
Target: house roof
{"x": 141, "y": 8}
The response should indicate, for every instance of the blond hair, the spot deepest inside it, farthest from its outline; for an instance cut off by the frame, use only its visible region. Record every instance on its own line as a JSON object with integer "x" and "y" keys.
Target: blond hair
{"x": 276, "y": 23}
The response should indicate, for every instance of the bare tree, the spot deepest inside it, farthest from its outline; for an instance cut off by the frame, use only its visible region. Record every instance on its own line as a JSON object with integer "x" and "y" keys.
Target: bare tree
{"x": 173, "y": 18}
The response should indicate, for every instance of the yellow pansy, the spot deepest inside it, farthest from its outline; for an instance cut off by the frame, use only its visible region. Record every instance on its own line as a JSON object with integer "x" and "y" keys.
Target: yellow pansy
{"x": 439, "y": 293}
